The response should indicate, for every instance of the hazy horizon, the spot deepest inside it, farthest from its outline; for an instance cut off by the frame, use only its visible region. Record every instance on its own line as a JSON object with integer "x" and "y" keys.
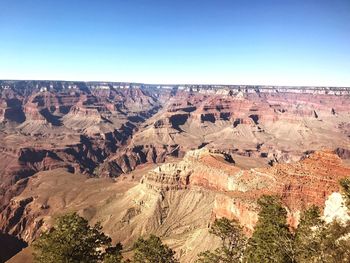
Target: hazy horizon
{"x": 175, "y": 84}
{"x": 289, "y": 43}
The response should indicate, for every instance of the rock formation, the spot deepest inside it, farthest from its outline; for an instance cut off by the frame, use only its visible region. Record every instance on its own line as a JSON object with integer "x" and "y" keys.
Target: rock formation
{"x": 178, "y": 200}
{"x": 199, "y": 152}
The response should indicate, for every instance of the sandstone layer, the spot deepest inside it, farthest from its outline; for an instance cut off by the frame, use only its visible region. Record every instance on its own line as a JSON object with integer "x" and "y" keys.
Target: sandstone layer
{"x": 177, "y": 201}
{"x": 92, "y": 147}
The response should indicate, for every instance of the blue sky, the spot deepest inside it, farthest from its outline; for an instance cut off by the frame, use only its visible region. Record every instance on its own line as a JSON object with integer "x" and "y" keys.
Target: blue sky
{"x": 279, "y": 42}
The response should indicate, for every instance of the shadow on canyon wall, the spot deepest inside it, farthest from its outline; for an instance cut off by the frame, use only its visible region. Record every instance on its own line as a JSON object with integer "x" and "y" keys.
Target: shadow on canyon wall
{"x": 10, "y": 246}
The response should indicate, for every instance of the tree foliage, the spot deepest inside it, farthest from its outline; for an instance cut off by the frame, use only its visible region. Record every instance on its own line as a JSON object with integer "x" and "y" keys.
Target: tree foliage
{"x": 271, "y": 240}
{"x": 313, "y": 241}
{"x": 72, "y": 239}
{"x": 345, "y": 184}
{"x": 152, "y": 250}
{"x": 335, "y": 243}
{"x": 113, "y": 254}
{"x": 308, "y": 236}
{"x": 233, "y": 242}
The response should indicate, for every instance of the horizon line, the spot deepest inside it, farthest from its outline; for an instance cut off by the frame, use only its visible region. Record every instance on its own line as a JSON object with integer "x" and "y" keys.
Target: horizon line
{"x": 180, "y": 84}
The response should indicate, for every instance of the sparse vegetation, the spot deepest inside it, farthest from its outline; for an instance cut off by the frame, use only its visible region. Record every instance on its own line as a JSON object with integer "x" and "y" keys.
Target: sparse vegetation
{"x": 345, "y": 184}
{"x": 113, "y": 254}
{"x": 72, "y": 239}
{"x": 308, "y": 236}
{"x": 313, "y": 241}
{"x": 152, "y": 250}
{"x": 271, "y": 240}
{"x": 233, "y": 242}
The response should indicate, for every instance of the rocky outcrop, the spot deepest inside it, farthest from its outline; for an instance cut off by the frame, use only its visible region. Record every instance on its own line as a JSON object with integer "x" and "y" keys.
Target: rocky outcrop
{"x": 178, "y": 200}
{"x": 221, "y": 117}
{"x": 299, "y": 184}
{"x": 236, "y": 143}
{"x": 195, "y": 169}
{"x": 11, "y": 111}
{"x": 46, "y": 125}
{"x": 128, "y": 159}
{"x": 283, "y": 124}
{"x": 32, "y": 112}
{"x": 343, "y": 153}
{"x": 335, "y": 209}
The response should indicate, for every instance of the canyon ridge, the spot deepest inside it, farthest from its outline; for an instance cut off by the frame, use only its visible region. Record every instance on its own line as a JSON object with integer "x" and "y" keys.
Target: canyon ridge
{"x": 164, "y": 159}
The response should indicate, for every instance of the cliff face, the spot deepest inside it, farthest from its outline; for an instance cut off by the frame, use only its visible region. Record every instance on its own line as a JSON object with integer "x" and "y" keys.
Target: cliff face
{"x": 267, "y": 126}
{"x": 196, "y": 169}
{"x": 49, "y": 125}
{"x": 222, "y": 148}
{"x": 299, "y": 184}
{"x": 177, "y": 201}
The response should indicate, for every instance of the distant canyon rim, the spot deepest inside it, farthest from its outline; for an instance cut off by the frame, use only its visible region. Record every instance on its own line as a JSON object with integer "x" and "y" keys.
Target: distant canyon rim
{"x": 165, "y": 159}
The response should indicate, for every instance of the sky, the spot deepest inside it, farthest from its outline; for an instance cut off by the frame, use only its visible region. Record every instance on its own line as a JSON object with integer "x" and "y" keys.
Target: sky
{"x": 262, "y": 42}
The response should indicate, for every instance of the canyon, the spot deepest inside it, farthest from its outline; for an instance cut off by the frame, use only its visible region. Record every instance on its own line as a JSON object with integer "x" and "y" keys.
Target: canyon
{"x": 166, "y": 160}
